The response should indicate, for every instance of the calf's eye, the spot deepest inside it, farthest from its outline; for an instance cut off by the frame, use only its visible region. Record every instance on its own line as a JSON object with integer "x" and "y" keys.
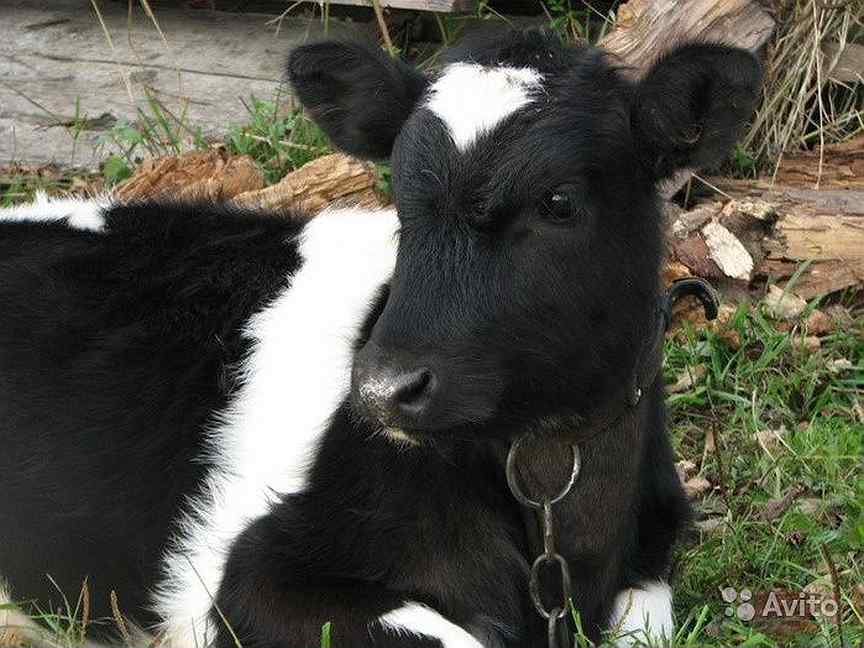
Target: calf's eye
{"x": 559, "y": 206}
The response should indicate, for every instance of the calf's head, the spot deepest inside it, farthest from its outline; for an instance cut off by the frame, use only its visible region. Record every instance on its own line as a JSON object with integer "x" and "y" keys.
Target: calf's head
{"x": 524, "y": 175}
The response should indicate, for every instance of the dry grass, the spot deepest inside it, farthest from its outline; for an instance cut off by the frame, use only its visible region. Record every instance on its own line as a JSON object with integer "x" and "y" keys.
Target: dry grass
{"x": 801, "y": 106}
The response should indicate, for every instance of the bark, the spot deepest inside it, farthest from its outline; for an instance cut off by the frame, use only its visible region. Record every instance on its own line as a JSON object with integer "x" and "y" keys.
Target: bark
{"x": 322, "y": 182}
{"x": 199, "y": 175}
{"x": 782, "y": 228}
{"x": 842, "y": 166}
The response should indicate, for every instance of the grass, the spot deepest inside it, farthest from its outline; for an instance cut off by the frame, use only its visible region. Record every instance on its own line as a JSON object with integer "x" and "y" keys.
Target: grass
{"x": 278, "y": 143}
{"x": 801, "y": 106}
{"x": 277, "y": 139}
{"x": 771, "y": 383}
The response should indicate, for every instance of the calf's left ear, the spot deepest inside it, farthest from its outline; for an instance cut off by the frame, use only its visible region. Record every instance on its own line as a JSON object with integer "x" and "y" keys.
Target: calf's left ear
{"x": 691, "y": 106}
{"x": 356, "y": 93}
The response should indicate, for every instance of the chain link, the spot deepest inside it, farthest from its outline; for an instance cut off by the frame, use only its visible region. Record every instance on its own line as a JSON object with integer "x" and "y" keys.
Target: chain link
{"x": 558, "y": 635}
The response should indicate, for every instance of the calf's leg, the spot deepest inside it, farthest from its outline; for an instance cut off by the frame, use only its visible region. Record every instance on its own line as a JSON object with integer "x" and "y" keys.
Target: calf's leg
{"x": 276, "y": 593}
{"x": 642, "y": 615}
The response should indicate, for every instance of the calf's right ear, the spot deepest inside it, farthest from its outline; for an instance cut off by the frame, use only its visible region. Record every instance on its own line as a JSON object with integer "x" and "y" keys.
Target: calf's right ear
{"x": 356, "y": 93}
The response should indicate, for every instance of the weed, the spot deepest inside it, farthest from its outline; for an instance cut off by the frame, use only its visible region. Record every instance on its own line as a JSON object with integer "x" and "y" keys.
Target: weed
{"x": 277, "y": 142}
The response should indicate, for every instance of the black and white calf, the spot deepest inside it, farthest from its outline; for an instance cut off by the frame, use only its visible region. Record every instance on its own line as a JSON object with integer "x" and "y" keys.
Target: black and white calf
{"x": 305, "y": 421}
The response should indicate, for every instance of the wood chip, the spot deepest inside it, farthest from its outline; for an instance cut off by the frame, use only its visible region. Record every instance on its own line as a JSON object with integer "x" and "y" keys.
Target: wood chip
{"x": 811, "y": 506}
{"x": 696, "y": 487}
{"x": 761, "y": 210}
{"x": 819, "y": 323}
{"x": 840, "y": 316}
{"x": 693, "y": 252}
{"x": 783, "y": 305}
{"x": 688, "y": 378}
{"x": 808, "y": 343}
{"x": 690, "y": 221}
{"x": 711, "y": 525}
{"x": 722, "y": 326}
{"x": 685, "y": 468}
{"x": 710, "y": 440}
{"x": 728, "y": 252}
{"x": 672, "y": 271}
{"x": 840, "y": 365}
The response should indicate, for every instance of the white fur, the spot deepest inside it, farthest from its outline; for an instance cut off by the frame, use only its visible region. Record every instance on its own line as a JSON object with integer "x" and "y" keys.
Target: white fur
{"x": 472, "y": 99}
{"x": 15, "y": 628}
{"x": 294, "y": 379}
{"x": 419, "y": 620}
{"x": 643, "y": 614}
{"x": 78, "y": 213}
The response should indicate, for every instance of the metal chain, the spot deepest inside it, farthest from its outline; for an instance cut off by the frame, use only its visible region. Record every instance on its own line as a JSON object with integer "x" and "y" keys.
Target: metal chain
{"x": 558, "y": 634}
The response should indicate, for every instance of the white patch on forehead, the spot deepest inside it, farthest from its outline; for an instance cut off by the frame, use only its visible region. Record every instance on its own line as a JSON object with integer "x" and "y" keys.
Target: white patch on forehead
{"x": 472, "y": 99}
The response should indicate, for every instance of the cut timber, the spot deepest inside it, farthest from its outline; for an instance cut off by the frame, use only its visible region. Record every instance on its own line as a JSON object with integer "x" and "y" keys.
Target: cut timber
{"x": 645, "y": 29}
{"x": 842, "y": 167}
{"x": 322, "y": 182}
{"x": 822, "y": 228}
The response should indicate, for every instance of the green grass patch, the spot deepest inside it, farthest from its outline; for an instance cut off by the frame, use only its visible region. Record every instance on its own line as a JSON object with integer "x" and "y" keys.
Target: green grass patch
{"x": 813, "y": 402}
{"x": 278, "y": 142}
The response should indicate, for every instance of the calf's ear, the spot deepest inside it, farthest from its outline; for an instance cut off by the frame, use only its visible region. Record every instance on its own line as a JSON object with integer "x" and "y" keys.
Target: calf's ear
{"x": 357, "y": 94}
{"x": 691, "y": 106}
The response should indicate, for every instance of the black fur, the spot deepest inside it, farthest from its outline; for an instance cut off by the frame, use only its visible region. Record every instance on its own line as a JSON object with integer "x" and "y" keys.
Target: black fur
{"x": 115, "y": 351}
{"x": 116, "y": 348}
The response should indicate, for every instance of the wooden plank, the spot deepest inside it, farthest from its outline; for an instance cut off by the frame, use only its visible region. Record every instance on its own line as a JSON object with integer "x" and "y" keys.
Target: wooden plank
{"x": 54, "y": 56}
{"x": 441, "y": 6}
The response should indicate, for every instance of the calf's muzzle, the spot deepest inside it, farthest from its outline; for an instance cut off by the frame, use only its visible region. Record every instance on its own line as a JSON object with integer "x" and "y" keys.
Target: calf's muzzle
{"x": 392, "y": 393}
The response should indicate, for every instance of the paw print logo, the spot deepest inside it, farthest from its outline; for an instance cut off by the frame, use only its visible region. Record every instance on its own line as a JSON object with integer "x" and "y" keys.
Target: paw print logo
{"x": 744, "y": 610}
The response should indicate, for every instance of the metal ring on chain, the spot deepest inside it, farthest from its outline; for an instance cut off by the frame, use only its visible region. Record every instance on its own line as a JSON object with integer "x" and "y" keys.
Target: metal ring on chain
{"x": 558, "y": 634}
{"x": 516, "y": 489}
{"x": 534, "y": 585}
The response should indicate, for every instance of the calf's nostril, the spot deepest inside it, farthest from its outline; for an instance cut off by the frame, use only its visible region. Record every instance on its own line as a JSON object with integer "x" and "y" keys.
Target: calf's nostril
{"x": 396, "y": 397}
{"x": 413, "y": 388}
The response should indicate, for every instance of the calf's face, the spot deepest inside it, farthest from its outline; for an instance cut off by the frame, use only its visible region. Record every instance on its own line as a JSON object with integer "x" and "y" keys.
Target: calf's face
{"x": 530, "y": 241}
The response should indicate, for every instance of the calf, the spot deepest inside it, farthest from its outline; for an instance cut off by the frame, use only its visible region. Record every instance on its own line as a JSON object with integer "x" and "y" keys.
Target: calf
{"x": 248, "y": 427}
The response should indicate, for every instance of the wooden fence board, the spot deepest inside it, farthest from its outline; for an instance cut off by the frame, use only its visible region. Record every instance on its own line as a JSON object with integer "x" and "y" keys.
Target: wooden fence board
{"x": 54, "y": 56}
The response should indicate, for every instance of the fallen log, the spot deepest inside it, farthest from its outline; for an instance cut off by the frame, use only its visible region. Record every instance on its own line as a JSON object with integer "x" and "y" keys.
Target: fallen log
{"x": 836, "y": 166}
{"x": 198, "y": 175}
{"x": 335, "y": 178}
{"x": 818, "y": 235}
